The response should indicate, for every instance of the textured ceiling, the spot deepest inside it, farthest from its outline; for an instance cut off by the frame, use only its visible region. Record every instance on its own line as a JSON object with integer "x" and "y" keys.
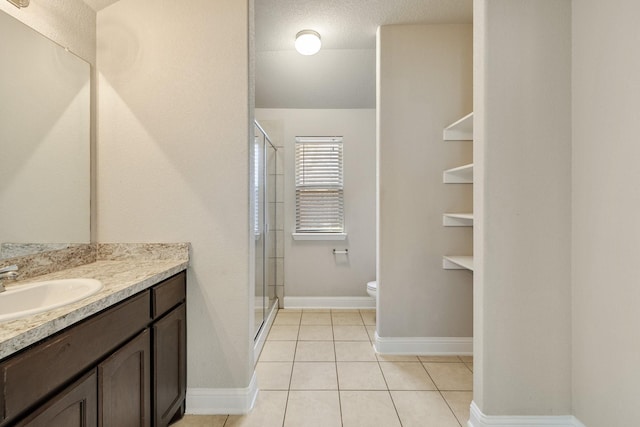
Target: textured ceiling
{"x": 348, "y": 24}
{"x": 342, "y": 74}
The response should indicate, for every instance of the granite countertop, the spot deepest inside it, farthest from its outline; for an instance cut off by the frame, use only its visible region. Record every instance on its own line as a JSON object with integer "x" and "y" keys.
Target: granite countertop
{"x": 121, "y": 279}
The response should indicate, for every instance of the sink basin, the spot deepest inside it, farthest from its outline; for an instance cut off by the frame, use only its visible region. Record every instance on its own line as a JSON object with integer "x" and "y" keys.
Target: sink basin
{"x": 24, "y": 300}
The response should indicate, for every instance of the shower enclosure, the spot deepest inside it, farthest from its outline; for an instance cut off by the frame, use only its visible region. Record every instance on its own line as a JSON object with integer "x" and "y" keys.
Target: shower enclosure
{"x": 264, "y": 184}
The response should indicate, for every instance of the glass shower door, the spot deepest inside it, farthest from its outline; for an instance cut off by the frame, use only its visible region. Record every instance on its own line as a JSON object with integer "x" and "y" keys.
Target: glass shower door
{"x": 265, "y": 243}
{"x": 259, "y": 231}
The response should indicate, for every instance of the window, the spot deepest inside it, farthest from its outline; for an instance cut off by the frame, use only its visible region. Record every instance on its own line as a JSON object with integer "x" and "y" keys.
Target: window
{"x": 319, "y": 188}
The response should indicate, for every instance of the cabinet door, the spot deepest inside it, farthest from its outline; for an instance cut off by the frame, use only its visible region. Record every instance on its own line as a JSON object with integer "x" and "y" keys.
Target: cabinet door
{"x": 76, "y": 406}
{"x": 170, "y": 366}
{"x": 124, "y": 385}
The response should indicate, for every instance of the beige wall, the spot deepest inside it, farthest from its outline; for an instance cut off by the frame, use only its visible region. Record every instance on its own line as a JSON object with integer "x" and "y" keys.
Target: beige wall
{"x": 606, "y": 240}
{"x": 310, "y": 268}
{"x": 522, "y": 233}
{"x": 424, "y": 84}
{"x": 173, "y": 161}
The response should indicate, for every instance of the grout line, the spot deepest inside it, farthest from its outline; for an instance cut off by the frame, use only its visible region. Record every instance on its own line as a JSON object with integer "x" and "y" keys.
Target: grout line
{"x": 293, "y": 364}
{"x": 395, "y": 408}
{"x": 393, "y": 402}
{"x": 450, "y": 408}
{"x": 429, "y": 375}
{"x": 335, "y": 357}
{"x": 439, "y": 390}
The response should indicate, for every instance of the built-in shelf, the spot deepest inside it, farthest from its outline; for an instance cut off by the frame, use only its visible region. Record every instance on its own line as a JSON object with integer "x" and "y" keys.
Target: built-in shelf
{"x": 457, "y": 220}
{"x": 457, "y": 262}
{"x": 459, "y": 175}
{"x": 462, "y": 130}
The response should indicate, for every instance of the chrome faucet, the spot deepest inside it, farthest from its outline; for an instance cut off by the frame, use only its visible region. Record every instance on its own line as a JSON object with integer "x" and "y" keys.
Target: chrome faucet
{"x": 10, "y": 272}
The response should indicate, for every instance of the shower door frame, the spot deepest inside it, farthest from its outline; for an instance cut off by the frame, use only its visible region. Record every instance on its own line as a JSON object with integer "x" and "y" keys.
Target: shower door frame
{"x": 268, "y": 301}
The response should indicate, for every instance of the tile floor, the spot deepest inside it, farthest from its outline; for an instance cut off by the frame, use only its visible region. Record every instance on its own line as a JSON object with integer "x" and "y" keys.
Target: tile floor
{"x": 318, "y": 368}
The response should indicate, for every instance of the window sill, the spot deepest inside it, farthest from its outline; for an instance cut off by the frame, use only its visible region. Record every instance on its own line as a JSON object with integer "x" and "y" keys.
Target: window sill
{"x": 319, "y": 236}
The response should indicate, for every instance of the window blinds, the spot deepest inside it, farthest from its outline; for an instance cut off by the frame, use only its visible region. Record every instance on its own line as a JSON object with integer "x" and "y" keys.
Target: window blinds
{"x": 319, "y": 185}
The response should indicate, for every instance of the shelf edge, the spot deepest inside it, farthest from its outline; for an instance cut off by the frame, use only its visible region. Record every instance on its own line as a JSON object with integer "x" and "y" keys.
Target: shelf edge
{"x": 461, "y": 130}
{"x": 457, "y": 262}
{"x": 457, "y": 220}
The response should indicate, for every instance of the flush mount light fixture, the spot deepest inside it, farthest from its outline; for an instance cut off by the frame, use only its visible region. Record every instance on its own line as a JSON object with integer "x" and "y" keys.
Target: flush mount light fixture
{"x": 308, "y": 42}
{"x": 19, "y": 3}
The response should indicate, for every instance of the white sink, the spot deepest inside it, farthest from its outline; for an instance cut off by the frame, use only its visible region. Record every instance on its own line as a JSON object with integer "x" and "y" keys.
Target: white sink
{"x": 24, "y": 300}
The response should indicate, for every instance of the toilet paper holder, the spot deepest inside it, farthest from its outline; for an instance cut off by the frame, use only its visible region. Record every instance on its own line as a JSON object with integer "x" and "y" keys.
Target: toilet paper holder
{"x": 341, "y": 251}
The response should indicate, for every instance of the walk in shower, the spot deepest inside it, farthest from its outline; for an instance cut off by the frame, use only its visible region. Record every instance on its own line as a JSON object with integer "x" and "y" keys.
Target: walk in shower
{"x": 265, "y": 172}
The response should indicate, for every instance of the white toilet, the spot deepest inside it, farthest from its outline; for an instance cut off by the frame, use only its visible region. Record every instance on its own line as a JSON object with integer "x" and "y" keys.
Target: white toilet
{"x": 372, "y": 288}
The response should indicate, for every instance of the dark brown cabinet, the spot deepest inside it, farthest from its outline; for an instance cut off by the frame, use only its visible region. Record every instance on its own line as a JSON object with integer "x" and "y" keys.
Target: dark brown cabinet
{"x": 34, "y": 374}
{"x": 124, "y": 385}
{"x": 125, "y": 366}
{"x": 169, "y": 354}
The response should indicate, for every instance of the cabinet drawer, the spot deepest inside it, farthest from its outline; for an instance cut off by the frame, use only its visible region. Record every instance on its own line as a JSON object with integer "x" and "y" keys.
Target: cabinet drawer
{"x": 168, "y": 294}
{"x": 29, "y": 377}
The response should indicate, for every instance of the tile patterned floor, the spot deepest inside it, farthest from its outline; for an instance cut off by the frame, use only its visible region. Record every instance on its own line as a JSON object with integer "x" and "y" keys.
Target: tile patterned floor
{"x": 318, "y": 368}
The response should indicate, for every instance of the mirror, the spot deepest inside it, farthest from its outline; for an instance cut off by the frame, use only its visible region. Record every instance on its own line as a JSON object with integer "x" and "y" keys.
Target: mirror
{"x": 44, "y": 143}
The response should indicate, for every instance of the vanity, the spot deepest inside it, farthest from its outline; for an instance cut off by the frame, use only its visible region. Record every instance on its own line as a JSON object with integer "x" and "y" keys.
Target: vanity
{"x": 116, "y": 358}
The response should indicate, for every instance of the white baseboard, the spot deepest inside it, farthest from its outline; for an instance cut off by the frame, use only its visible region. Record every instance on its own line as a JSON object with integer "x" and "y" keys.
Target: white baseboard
{"x": 214, "y": 401}
{"x": 426, "y": 346}
{"x": 329, "y": 302}
{"x": 478, "y": 419}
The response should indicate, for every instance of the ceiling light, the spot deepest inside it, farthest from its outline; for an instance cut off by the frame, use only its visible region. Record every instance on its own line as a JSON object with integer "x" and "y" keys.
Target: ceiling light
{"x": 308, "y": 42}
